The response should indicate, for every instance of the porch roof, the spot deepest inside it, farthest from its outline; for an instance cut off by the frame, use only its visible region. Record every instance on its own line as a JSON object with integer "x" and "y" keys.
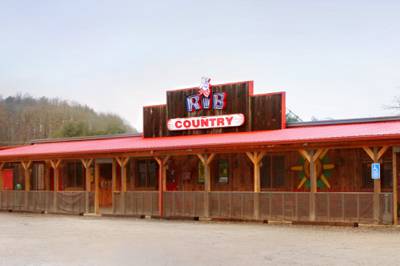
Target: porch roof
{"x": 377, "y": 131}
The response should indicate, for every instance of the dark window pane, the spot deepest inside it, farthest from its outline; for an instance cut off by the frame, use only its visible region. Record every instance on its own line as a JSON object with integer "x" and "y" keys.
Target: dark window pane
{"x": 386, "y": 174}
{"x": 272, "y": 172}
{"x": 265, "y": 172}
{"x": 152, "y": 174}
{"x": 367, "y": 181}
{"x": 73, "y": 175}
{"x": 278, "y": 171}
{"x": 223, "y": 171}
{"x": 147, "y": 173}
{"x": 142, "y": 169}
{"x": 79, "y": 175}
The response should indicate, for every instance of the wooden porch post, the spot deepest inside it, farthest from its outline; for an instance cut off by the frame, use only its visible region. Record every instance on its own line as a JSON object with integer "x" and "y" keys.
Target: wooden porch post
{"x": 206, "y": 160}
{"x": 376, "y": 154}
{"x": 394, "y": 196}
{"x": 113, "y": 183}
{"x": 312, "y": 157}
{"x": 27, "y": 174}
{"x": 162, "y": 182}
{"x": 123, "y": 161}
{"x": 87, "y": 163}
{"x": 256, "y": 158}
{"x": 55, "y": 164}
{"x": 96, "y": 187}
{"x": 27, "y": 177}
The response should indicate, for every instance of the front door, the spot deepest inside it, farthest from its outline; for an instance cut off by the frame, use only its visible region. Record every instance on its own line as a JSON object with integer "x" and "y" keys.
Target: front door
{"x": 105, "y": 185}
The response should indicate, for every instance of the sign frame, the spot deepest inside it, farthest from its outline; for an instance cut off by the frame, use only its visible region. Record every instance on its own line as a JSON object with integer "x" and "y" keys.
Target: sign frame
{"x": 206, "y": 122}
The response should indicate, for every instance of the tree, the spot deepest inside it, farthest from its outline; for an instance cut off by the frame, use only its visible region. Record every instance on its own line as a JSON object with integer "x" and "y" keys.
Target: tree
{"x": 23, "y": 118}
{"x": 292, "y": 117}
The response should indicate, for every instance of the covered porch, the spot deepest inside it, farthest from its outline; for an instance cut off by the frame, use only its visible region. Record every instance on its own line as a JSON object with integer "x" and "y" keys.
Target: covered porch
{"x": 316, "y": 184}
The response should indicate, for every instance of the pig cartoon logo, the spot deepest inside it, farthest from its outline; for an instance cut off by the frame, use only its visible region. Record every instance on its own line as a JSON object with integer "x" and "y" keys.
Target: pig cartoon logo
{"x": 205, "y": 87}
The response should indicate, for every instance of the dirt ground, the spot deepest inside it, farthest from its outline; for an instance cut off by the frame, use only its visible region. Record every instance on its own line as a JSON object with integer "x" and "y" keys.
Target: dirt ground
{"x": 34, "y": 239}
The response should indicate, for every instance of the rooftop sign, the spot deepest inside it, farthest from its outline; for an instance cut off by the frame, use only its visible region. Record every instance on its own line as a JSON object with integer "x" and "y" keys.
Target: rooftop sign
{"x": 214, "y": 109}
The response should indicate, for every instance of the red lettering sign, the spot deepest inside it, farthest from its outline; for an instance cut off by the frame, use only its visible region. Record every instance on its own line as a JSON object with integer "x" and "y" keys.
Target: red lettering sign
{"x": 205, "y": 122}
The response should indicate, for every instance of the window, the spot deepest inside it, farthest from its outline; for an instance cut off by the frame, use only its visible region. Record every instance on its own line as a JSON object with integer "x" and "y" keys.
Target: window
{"x": 147, "y": 173}
{"x": 223, "y": 171}
{"x": 386, "y": 175}
{"x": 273, "y": 172}
{"x": 73, "y": 175}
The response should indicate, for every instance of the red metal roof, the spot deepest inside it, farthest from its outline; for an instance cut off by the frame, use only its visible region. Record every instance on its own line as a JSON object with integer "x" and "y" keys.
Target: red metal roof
{"x": 315, "y": 134}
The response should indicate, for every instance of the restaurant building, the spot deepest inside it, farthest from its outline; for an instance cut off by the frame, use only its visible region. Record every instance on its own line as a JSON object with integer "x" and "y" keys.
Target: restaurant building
{"x": 215, "y": 152}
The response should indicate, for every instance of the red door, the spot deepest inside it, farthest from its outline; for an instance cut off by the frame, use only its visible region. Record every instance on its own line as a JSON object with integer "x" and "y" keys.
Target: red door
{"x": 8, "y": 179}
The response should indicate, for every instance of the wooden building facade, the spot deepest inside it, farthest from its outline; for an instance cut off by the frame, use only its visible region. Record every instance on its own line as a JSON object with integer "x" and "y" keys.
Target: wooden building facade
{"x": 215, "y": 153}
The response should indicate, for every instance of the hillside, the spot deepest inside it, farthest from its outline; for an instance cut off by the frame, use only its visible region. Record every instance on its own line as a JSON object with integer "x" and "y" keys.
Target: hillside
{"x": 23, "y": 118}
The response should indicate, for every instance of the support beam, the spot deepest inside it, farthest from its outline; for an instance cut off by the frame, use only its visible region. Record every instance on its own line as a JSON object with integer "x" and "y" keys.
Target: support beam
{"x": 113, "y": 183}
{"x": 206, "y": 160}
{"x": 96, "y": 188}
{"x": 27, "y": 177}
{"x": 55, "y": 164}
{"x": 162, "y": 181}
{"x": 394, "y": 168}
{"x": 122, "y": 162}
{"x": 87, "y": 163}
{"x": 256, "y": 158}
{"x": 27, "y": 174}
{"x": 376, "y": 154}
{"x": 312, "y": 156}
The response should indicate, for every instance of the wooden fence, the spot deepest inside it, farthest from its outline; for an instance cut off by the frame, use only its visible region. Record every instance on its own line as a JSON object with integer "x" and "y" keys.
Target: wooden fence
{"x": 184, "y": 204}
{"x": 353, "y": 207}
{"x": 47, "y": 201}
{"x": 136, "y": 203}
{"x": 278, "y": 206}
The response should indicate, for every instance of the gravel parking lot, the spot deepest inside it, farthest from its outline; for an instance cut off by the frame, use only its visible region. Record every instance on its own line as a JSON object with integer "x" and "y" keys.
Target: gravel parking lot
{"x": 34, "y": 239}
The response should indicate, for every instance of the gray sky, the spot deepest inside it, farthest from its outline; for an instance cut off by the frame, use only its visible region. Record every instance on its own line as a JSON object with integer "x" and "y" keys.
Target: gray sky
{"x": 337, "y": 59}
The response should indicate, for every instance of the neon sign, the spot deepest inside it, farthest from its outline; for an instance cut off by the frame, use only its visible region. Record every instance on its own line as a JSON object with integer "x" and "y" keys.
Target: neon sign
{"x": 206, "y": 99}
{"x": 216, "y": 101}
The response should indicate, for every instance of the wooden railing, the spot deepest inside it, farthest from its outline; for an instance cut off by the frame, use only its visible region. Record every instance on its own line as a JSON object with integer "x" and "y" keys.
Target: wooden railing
{"x": 353, "y": 207}
{"x": 184, "y": 204}
{"x": 47, "y": 201}
{"x": 136, "y": 203}
{"x": 279, "y": 206}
